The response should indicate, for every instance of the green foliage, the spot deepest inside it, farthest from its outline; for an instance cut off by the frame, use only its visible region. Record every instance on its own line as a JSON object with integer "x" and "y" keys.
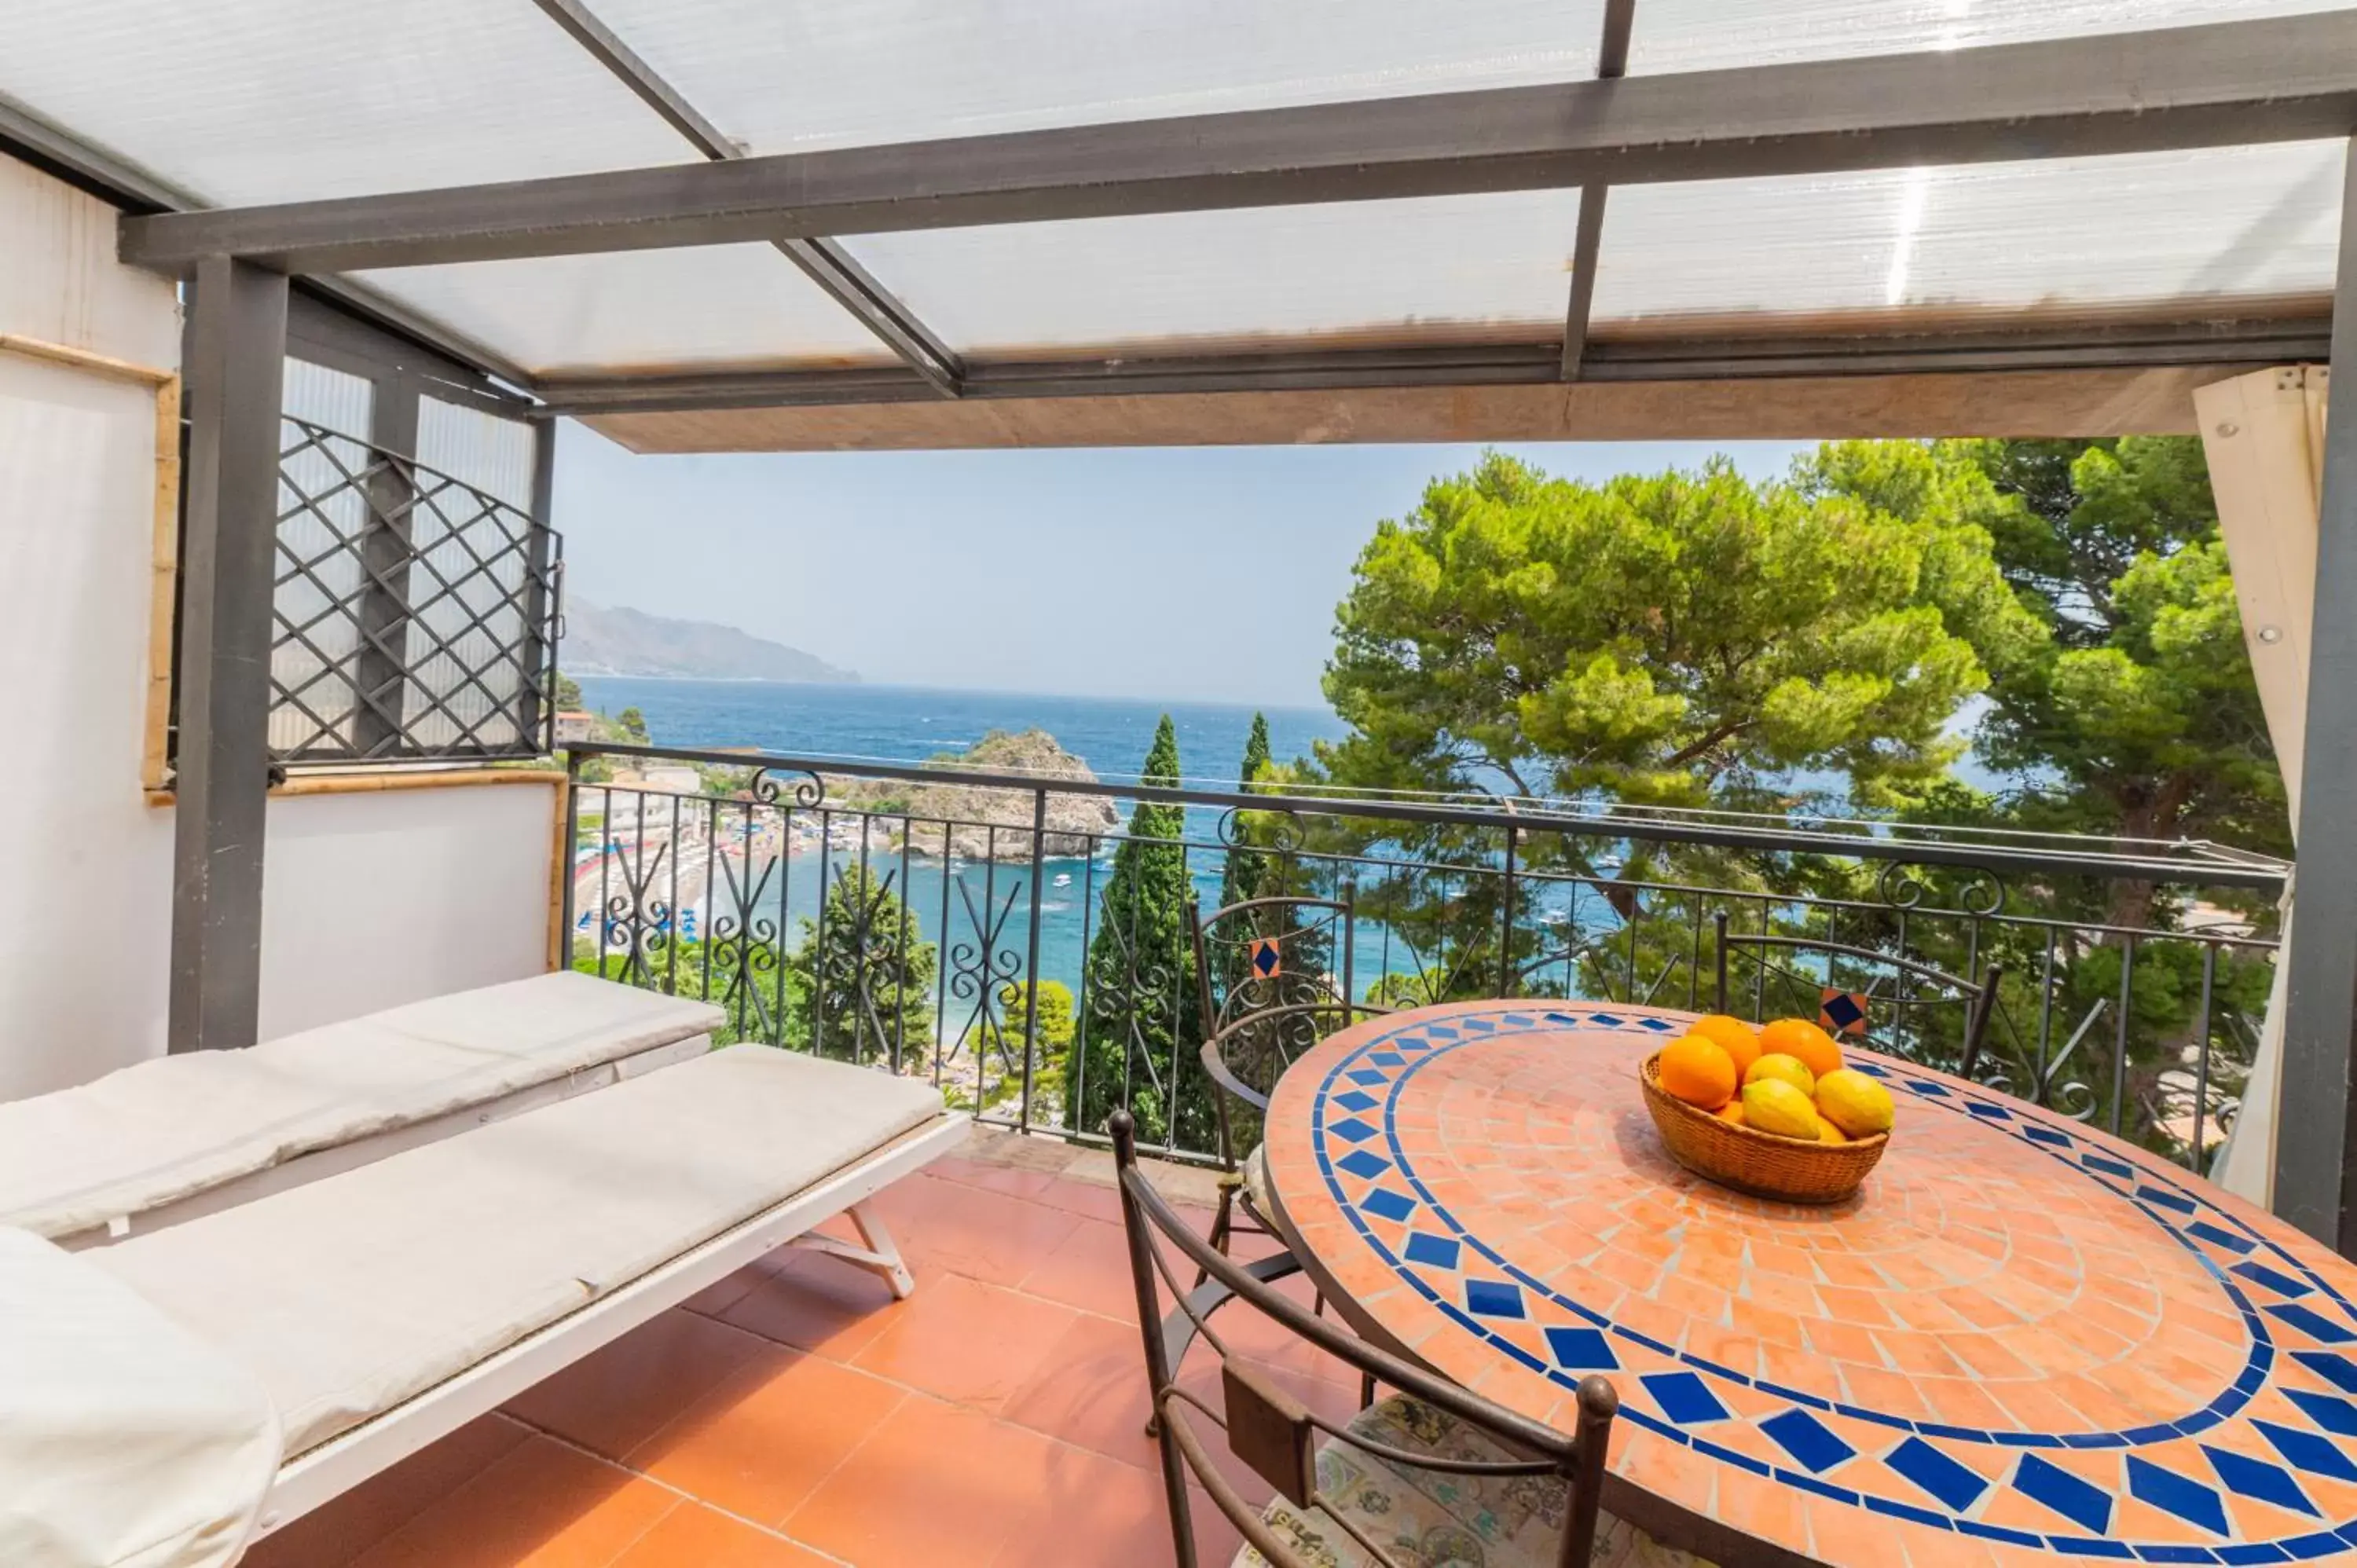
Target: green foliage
{"x": 865, "y": 974}
{"x": 1667, "y": 640}
{"x": 742, "y": 981}
{"x": 634, "y": 727}
{"x": 568, "y": 692}
{"x": 2139, "y": 705}
{"x": 1140, "y": 980}
{"x": 1058, "y": 1025}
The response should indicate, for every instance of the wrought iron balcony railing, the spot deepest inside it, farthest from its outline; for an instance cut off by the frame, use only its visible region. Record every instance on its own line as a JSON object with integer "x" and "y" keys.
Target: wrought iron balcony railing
{"x": 1041, "y": 973}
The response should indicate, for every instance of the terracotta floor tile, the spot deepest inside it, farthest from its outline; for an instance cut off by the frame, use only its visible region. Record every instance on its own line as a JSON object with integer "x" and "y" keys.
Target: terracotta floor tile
{"x": 945, "y": 1227}
{"x": 816, "y": 1303}
{"x": 1091, "y": 1392}
{"x": 967, "y": 1341}
{"x": 760, "y": 1443}
{"x": 349, "y": 1525}
{"x": 614, "y": 1399}
{"x": 1089, "y": 1269}
{"x": 542, "y": 1506}
{"x": 1094, "y": 1509}
{"x": 693, "y": 1537}
{"x": 1016, "y": 1180}
{"x": 961, "y": 1483}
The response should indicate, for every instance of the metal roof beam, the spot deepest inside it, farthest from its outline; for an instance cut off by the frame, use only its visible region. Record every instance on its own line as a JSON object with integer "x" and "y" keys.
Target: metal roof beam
{"x": 1611, "y": 63}
{"x": 825, "y": 263}
{"x": 2278, "y": 79}
{"x": 2223, "y": 343}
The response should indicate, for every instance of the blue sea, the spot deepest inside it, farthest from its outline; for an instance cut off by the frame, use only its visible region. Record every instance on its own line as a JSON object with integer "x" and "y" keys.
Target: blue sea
{"x": 913, "y": 723}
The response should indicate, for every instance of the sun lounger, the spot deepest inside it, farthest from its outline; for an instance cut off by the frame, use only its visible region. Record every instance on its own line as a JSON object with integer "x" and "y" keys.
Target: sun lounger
{"x": 176, "y": 1137}
{"x": 385, "y": 1306}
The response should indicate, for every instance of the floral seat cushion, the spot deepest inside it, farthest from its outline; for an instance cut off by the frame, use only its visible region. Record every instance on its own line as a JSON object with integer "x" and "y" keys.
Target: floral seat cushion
{"x": 1424, "y": 1519}
{"x": 1255, "y": 1179}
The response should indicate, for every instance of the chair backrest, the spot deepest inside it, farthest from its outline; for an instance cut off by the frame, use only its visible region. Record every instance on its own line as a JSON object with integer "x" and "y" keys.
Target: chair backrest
{"x": 1977, "y": 998}
{"x": 1274, "y": 976}
{"x": 1278, "y": 1437}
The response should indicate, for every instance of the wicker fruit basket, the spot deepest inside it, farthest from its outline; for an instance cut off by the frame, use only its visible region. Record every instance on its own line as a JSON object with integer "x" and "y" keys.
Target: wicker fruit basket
{"x": 1794, "y": 1170}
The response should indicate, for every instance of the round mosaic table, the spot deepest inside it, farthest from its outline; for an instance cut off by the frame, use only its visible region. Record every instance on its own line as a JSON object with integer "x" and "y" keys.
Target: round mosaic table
{"x": 2023, "y": 1341}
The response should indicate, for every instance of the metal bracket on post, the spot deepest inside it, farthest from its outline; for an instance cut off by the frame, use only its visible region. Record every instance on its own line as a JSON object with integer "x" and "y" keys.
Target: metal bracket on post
{"x": 237, "y": 346}
{"x": 2316, "y": 1183}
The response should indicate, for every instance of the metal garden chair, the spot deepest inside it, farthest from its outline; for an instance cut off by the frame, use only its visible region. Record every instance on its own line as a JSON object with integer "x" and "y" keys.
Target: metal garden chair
{"x": 1506, "y": 1488}
{"x": 1845, "y": 1013}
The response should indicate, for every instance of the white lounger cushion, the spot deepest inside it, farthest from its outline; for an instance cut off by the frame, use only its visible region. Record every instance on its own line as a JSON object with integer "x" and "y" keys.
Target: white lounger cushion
{"x": 355, "y": 1292}
{"x": 162, "y": 1130}
{"x": 125, "y": 1441}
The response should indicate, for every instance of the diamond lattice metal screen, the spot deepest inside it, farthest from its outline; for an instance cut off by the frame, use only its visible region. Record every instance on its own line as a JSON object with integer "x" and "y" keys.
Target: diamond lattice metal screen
{"x": 414, "y": 613}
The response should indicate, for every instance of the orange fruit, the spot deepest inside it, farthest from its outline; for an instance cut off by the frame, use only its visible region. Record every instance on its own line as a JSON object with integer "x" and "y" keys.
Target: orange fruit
{"x": 1698, "y": 1071}
{"x": 1731, "y": 1112}
{"x": 1736, "y": 1037}
{"x": 1799, "y": 1037}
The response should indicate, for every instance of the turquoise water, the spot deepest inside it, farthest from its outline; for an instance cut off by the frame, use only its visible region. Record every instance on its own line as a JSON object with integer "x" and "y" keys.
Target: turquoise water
{"x": 910, "y": 723}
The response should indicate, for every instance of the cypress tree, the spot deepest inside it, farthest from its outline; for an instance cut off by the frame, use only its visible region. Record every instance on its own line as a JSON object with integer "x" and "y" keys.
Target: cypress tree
{"x": 1141, "y": 979}
{"x": 1243, "y": 876}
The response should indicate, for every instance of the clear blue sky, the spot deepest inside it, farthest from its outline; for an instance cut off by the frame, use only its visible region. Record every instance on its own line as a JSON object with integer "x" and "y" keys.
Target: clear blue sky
{"x": 1204, "y": 574}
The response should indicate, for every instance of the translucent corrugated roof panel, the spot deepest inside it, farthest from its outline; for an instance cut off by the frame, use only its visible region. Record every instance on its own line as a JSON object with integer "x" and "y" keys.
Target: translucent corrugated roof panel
{"x": 244, "y": 102}
{"x": 2066, "y": 237}
{"x": 1455, "y": 268}
{"x": 713, "y": 307}
{"x": 787, "y": 75}
{"x": 1705, "y": 35}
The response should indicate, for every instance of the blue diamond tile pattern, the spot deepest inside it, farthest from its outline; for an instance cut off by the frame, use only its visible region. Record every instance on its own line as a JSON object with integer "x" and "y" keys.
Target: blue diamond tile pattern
{"x": 2186, "y": 1498}
{"x": 2333, "y": 1414}
{"x": 1433, "y": 1252}
{"x": 2181, "y": 1485}
{"x": 1955, "y": 1488}
{"x": 1684, "y": 1398}
{"x": 1806, "y": 1438}
{"x": 2312, "y": 1322}
{"x": 2307, "y": 1451}
{"x": 1581, "y": 1350}
{"x": 2334, "y": 1369}
{"x": 2084, "y": 1503}
{"x": 2249, "y": 1477}
{"x": 2281, "y": 1283}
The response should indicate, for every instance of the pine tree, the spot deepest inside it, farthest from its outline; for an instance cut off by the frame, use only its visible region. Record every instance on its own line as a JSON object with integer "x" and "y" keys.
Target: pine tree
{"x": 1140, "y": 980}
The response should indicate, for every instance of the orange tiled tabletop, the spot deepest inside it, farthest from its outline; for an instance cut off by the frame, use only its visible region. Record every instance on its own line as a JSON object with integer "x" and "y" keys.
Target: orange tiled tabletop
{"x": 2023, "y": 1341}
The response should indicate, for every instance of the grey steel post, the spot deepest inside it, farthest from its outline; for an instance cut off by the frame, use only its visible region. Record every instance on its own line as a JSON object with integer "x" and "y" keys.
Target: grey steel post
{"x": 1506, "y": 918}
{"x": 1031, "y": 953}
{"x": 381, "y": 662}
{"x": 2316, "y": 1187}
{"x": 544, "y": 600}
{"x": 237, "y": 344}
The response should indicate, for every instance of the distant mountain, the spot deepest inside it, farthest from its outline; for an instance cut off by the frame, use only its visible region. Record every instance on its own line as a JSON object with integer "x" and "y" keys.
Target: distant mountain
{"x": 600, "y": 640}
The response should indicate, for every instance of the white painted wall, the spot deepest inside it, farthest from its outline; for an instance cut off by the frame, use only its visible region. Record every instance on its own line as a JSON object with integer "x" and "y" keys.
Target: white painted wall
{"x": 85, "y": 866}
{"x": 374, "y": 899}
{"x": 370, "y": 898}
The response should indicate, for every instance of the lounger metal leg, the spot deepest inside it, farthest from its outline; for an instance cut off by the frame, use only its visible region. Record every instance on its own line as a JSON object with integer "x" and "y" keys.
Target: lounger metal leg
{"x": 877, "y": 1255}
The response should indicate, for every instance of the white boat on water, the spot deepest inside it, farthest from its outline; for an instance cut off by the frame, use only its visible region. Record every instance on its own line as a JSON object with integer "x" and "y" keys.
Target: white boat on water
{"x": 1063, "y": 879}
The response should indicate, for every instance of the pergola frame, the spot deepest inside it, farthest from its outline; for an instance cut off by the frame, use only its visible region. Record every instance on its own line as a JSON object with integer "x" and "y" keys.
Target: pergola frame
{"x": 2221, "y": 85}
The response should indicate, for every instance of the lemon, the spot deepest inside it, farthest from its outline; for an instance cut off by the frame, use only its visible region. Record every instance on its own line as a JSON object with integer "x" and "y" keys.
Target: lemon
{"x": 1854, "y": 1102}
{"x": 1772, "y": 1105}
{"x": 1827, "y": 1133}
{"x": 1784, "y": 1069}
